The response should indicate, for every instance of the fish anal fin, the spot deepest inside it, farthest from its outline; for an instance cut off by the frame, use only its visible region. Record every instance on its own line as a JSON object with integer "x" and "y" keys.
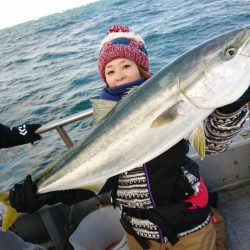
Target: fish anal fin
{"x": 95, "y": 187}
{"x": 10, "y": 215}
{"x": 168, "y": 115}
{"x": 101, "y": 108}
{"x": 198, "y": 141}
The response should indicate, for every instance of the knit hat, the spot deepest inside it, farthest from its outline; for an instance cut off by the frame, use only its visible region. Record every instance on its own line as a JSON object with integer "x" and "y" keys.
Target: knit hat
{"x": 121, "y": 42}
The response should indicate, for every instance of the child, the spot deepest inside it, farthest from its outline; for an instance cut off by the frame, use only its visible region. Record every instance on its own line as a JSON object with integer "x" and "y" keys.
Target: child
{"x": 164, "y": 203}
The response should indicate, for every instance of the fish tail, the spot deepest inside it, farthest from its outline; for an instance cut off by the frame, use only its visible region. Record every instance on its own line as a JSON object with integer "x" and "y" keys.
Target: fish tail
{"x": 10, "y": 215}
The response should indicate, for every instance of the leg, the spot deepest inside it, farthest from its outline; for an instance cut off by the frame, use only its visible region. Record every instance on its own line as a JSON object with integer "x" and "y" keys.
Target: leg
{"x": 203, "y": 239}
{"x": 220, "y": 227}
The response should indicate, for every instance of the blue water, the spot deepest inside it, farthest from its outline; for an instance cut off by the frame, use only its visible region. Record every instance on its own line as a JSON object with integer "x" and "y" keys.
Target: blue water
{"x": 48, "y": 67}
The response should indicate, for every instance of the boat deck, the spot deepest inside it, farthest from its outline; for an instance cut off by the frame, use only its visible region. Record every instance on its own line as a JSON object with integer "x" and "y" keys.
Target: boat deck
{"x": 235, "y": 205}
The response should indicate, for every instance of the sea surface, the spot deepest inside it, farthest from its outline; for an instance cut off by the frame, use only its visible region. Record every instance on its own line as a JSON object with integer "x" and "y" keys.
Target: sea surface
{"x": 48, "y": 67}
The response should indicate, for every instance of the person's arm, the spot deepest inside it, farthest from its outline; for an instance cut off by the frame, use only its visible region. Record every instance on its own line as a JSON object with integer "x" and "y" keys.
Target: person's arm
{"x": 25, "y": 199}
{"x": 225, "y": 123}
{"x": 19, "y": 135}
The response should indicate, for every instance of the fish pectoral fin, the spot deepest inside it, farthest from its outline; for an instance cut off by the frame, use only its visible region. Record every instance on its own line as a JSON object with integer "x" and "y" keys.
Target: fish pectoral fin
{"x": 101, "y": 108}
{"x": 168, "y": 115}
{"x": 198, "y": 141}
{"x": 10, "y": 215}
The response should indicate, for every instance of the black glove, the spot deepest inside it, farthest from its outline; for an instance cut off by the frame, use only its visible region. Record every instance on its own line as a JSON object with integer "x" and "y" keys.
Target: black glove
{"x": 25, "y": 134}
{"x": 232, "y": 107}
{"x": 25, "y": 199}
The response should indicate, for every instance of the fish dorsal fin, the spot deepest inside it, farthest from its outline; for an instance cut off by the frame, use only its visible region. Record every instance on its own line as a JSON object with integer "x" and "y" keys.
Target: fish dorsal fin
{"x": 101, "y": 108}
{"x": 168, "y": 115}
{"x": 198, "y": 141}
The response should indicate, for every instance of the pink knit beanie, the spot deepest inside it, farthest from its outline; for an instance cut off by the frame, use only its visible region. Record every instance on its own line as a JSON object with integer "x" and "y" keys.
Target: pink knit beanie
{"x": 121, "y": 42}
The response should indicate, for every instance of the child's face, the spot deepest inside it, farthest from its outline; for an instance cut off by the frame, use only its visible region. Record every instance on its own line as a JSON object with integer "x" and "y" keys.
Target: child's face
{"x": 120, "y": 71}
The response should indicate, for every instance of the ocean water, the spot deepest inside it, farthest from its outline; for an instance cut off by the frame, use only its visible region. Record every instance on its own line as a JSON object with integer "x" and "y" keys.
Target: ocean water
{"x": 48, "y": 67}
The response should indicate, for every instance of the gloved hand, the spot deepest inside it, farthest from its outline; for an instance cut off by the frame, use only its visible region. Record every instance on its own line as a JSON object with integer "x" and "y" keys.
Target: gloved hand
{"x": 25, "y": 133}
{"x": 25, "y": 199}
{"x": 232, "y": 107}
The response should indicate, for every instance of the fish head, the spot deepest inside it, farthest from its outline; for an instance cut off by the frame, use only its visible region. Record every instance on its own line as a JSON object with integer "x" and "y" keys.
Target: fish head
{"x": 222, "y": 70}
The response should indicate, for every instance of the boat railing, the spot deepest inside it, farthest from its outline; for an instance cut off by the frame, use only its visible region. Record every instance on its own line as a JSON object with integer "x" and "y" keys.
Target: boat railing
{"x": 59, "y": 126}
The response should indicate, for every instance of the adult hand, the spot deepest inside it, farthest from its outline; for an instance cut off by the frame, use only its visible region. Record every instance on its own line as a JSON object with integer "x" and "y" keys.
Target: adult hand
{"x": 24, "y": 197}
{"x": 25, "y": 133}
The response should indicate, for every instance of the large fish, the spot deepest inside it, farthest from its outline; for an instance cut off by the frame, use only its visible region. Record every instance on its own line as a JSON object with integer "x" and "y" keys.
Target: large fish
{"x": 159, "y": 113}
{"x": 151, "y": 119}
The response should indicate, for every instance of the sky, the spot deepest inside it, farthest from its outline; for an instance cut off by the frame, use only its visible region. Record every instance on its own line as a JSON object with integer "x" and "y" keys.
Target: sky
{"x": 13, "y": 12}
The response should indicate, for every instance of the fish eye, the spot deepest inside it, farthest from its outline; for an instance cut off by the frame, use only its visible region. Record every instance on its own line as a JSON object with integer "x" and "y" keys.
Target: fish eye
{"x": 230, "y": 52}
